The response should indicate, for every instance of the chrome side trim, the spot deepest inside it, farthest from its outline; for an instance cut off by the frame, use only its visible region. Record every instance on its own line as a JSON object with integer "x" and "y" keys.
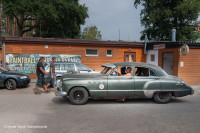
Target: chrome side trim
{"x": 147, "y": 93}
{"x": 114, "y": 90}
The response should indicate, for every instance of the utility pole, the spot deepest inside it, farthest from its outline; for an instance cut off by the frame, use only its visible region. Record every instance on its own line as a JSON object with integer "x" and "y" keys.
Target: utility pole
{"x": 119, "y": 34}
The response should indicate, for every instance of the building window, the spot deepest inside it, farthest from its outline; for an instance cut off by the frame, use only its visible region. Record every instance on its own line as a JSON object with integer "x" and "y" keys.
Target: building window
{"x": 152, "y": 57}
{"x": 92, "y": 52}
{"x": 109, "y": 53}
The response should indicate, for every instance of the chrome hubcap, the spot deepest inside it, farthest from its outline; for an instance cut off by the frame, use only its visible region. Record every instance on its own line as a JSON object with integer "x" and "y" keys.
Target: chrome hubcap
{"x": 78, "y": 96}
{"x": 163, "y": 95}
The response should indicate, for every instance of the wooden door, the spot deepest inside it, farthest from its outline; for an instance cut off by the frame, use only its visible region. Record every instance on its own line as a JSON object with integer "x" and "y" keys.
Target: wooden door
{"x": 129, "y": 57}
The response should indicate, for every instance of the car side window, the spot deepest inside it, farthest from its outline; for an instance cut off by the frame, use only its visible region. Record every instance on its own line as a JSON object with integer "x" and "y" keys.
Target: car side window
{"x": 82, "y": 67}
{"x": 57, "y": 67}
{"x": 152, "y": 73}
{"x": 122, "y": 71}
{"x": 142, "y": 71}
{"x": 67, "y": 67}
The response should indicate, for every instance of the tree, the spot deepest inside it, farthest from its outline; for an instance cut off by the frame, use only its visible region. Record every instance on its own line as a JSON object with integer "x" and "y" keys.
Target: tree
{"x": 54, "y": 18}
{"x": 61, "y": 18}
{"x": 22, "y": 11}
{"x": 159, "y": 17}
{"x": 91, "y": 33}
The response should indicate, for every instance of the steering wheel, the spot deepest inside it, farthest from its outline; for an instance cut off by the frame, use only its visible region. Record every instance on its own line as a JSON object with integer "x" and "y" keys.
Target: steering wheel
{"x": 115, "y": 73}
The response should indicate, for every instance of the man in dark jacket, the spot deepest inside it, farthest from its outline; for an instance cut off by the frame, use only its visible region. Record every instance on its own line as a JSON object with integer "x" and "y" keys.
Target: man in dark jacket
{"x": 40, "y": 75}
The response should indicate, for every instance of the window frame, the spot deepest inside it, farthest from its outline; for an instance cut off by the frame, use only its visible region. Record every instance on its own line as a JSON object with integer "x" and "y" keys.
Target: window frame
{"x": 59, "y": 67}
{"x": 67, "y": 64}
{"x": 92, "y": 54}
{"x": 111, "y": 53}
{"x": 154, "y": 57}
{"x": 149, "y": 69}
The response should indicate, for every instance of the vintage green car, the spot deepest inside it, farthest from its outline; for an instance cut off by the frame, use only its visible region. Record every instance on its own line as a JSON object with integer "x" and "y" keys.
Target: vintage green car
{"x": 122, "y": 81}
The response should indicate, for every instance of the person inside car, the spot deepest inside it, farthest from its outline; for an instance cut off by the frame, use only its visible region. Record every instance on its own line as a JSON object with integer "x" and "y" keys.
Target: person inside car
{"x": 128, "y": 72}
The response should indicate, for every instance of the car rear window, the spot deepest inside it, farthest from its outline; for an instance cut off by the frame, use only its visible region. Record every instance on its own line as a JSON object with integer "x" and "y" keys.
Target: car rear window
{"x": 67, "y": 67}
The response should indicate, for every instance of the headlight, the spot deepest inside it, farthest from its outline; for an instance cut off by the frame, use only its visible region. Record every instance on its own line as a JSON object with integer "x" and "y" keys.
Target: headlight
{"x": 23, "y": 77}
{"x": 183, "y": 82}
{"x": 60, "y": 84}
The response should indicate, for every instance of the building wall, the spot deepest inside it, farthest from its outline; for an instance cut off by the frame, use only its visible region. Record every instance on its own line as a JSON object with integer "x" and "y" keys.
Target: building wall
{"x": 175, "y": 52}
{"x": 155, "y": 53}
{"x": 92, "y": 62}
{"x": 190, "y": 71}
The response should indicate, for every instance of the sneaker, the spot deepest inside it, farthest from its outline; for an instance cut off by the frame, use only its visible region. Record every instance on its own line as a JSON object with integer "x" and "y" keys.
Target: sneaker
{"x": 37, "y": 93}
{"x": 47, "y": 91}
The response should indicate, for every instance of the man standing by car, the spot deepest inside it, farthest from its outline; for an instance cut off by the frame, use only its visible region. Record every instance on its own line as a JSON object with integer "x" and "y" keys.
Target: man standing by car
{"x": 52, "y": 72}
{"x": 40, "y": 75}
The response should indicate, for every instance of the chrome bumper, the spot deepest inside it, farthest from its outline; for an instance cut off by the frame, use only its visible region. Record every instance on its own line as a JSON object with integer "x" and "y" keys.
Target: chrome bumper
{"x": 60, "y": 93}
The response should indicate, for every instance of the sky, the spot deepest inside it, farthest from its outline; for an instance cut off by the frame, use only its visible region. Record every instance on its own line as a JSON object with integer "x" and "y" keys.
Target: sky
{"x": 112, "y": 16}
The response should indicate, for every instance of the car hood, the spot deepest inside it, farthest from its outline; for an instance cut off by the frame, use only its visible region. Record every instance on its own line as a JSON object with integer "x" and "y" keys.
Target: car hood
{"x": 16, "y": 73}
{"x": 83, "y": 75}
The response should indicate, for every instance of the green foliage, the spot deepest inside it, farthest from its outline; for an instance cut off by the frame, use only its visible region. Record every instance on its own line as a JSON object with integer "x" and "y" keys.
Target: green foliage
{"x": 160, "y": 16}
{"x": 91, "y": 33}
{"x": 58, "y": 18}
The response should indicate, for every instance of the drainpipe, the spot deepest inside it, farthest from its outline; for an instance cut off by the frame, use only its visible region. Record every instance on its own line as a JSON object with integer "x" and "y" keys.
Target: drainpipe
{"x": 4, "y": 56}
{"x": 173, "y": 35}
{"x": 145, "y": 44}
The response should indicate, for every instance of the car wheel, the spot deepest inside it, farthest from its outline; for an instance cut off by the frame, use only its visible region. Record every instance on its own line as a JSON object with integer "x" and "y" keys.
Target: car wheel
{"x": 78, "y": 96}
{"x": 163, "y": 97}
{"x": 11, "y": 84}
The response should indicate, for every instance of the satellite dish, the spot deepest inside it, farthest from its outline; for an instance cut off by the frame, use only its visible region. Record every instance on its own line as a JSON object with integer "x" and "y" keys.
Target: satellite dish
{"x": 184, "y": 50}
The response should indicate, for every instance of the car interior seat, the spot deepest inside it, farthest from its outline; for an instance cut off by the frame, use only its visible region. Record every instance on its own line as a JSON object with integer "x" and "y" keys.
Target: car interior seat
{"x": 123, "y": 70}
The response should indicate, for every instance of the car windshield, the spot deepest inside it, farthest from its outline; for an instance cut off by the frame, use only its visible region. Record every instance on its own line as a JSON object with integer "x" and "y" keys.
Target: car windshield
{"x": 106, "y": 70}
{"x": 3, "y": 69}
{"x": 81, "y": 67}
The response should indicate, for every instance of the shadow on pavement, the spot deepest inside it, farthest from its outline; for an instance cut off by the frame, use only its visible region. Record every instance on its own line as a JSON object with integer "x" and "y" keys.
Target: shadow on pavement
{"x": 62, "y": 100}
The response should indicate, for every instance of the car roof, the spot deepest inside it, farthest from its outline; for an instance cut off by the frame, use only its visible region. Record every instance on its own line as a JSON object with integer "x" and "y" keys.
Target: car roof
{"x": 65, "y": 63}
{"x": 157, "y": 69}
{"x": 138, "y": 64}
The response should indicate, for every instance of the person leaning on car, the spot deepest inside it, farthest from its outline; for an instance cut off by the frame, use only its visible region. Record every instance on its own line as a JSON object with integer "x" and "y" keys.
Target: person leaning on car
{"x": 40, "y": 76}
{"x": 52, "y": 72}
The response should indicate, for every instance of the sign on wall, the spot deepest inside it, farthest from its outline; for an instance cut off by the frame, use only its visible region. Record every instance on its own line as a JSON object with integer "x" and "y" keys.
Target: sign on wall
{"x": 159, "y": 46}
{"x": 27, "y": 62}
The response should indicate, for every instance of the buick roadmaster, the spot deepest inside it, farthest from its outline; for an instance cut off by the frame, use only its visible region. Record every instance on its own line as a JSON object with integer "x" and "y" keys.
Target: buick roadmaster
{"x": 122, "y": 81}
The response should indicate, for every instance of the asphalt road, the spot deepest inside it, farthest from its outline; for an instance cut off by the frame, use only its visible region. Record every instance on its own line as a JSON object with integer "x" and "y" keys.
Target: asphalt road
{"x": 23, "y": 112}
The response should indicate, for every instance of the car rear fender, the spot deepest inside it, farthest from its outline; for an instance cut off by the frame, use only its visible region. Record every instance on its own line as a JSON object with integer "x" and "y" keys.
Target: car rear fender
{"x": 151, "y": 87}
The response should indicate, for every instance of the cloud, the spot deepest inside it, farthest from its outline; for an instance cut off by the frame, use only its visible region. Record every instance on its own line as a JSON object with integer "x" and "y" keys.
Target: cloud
{"x": 111, "y": 15}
